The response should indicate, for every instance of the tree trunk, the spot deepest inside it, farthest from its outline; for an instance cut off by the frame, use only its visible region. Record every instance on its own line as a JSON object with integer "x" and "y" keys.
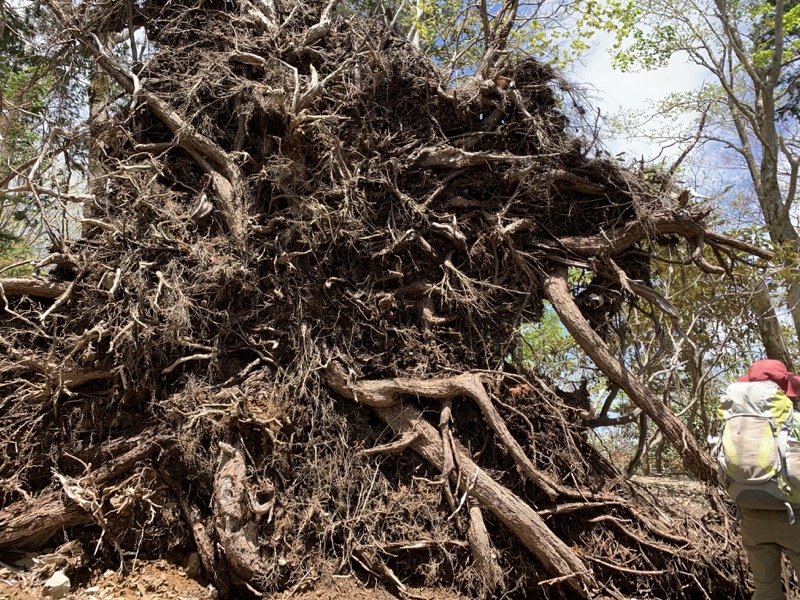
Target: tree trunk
{"x": 769, "y": 328}
{"x": 694, "y": 457}
{"x": 30, "y": 523}
{"x": 771, "y": 196}
{"x": 31, "y": 286}
{"x": 780, "y": 227}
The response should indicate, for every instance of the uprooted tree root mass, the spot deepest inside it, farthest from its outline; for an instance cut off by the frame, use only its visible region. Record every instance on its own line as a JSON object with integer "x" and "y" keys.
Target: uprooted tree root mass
{"x": 284, "y": 338}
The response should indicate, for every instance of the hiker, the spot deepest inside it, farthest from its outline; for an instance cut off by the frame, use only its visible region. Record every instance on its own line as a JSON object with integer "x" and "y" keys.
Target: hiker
{"x": 769, "y": 528}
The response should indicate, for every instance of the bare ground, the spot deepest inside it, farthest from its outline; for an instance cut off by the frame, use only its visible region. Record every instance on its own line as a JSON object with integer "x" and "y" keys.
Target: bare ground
{"x": 162, "y": 580}
{"x": 677, "y": 494}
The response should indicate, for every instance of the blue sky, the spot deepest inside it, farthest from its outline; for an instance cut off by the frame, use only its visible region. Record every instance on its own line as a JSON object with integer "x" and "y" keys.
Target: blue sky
{"x": 612, "y": 91}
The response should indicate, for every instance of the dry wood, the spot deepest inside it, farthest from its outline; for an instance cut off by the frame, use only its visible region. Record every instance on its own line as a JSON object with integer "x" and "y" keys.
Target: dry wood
{"x": 235, "y": 523}
{"x": 617, "y": 240}
{"x": 37, "y": 287}
{"x": 397, "y": 446}
{"x": 379, "y": 394}
{"x": 29, "y": 524}
{"x": 517, "y": 515}
{"x": 694, "y": 456}
{"x": 482, "y": 551}
{"x": 573, "y": 183}
{"x": 510, "y": 509}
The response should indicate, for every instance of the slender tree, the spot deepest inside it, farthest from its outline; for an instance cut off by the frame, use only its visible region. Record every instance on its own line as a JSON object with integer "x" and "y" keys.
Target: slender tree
{"x": 42, "y": 100}
{"x": 750, "y": 53}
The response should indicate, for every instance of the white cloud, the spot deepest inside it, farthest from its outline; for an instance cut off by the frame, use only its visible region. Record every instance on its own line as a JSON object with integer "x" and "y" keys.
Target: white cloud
{"x": 612, "y": 91}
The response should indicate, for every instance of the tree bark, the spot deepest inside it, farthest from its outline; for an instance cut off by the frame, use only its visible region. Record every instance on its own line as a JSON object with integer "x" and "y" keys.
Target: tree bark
{"x": 620, "y": 239}
{"x": 30, "y": 524}
{"x": 482, "y": 551}
{"x": 204, "y": 542}
{"x": 32, "y": 286}
{"x": 769, "y": 328}
{"x": 236, "y": 525}
{"x": 759, "y": 123}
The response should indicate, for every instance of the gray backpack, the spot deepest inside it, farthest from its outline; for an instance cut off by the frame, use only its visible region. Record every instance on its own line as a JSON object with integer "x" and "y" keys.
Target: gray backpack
{"x": 758, "y": 450}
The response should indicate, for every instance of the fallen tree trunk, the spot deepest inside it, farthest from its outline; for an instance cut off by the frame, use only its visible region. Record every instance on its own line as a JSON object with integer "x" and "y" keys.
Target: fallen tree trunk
{"x": 32, "y": 286}
{"x": 30, "y": 523}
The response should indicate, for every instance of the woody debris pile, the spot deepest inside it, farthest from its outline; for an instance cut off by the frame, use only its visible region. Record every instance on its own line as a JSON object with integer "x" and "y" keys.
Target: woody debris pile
{"x": 286, "y": 339}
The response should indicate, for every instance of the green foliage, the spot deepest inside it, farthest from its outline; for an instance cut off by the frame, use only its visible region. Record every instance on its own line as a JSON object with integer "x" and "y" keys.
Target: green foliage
{"x": 749, "y": 88}
{"x": 791, "y": 76}
{"x": 24, "y": 98}
{"x": 763, "y": 16}
{"x": 12, "y": 252}
{"x": 649, "y": 49}
{"x": 548, "y": 347}
{"x": 41, "y": 94}
{"x": 454, "y": 33}
{"x": 650, "y": 34}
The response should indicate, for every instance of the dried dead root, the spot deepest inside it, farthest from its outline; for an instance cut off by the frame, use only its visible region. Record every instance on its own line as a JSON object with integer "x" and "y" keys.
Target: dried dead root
{"x": 283, "y": 340}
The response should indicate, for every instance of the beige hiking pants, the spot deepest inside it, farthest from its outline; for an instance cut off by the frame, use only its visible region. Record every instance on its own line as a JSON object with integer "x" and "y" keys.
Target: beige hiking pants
{"x": 765, "y": 535}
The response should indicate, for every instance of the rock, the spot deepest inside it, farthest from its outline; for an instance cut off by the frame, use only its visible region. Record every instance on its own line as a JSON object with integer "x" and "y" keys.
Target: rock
{"x": 193, "y": 566}
{"x": 57, "y": 586}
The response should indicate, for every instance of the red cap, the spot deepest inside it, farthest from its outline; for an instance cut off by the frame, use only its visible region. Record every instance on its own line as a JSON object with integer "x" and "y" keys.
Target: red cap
{"x": 773, "y": 370}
